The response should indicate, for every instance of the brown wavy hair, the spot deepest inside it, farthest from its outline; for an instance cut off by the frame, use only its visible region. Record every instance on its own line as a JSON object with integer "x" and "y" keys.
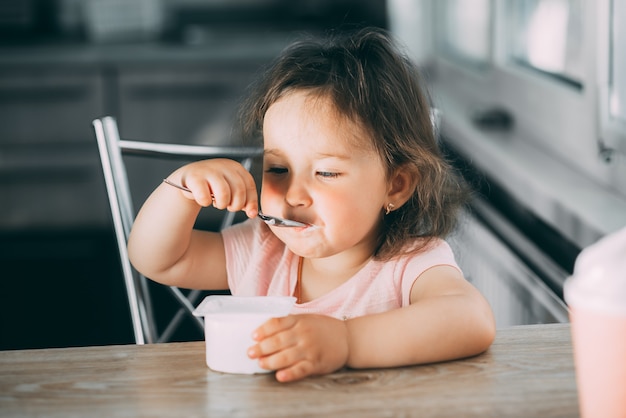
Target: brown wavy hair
{"x": 373, "y": 83}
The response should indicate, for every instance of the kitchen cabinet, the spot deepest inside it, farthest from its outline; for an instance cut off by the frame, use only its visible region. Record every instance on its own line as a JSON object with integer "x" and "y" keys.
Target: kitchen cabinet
{"x": 179, "y": 103}
{"x": 55, "y": 223}
{"x": 184, "y": 104}
{"x": 49, "y": 170}
{"x": 50, "y": 174}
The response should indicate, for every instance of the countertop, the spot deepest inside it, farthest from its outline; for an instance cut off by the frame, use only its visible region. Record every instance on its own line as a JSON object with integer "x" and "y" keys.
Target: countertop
{"x": 528, "y": 372}
{"x": 572, "y": 203}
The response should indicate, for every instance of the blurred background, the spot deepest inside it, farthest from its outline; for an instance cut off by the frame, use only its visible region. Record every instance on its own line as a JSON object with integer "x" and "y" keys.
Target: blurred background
{"x": 532, "y": 110}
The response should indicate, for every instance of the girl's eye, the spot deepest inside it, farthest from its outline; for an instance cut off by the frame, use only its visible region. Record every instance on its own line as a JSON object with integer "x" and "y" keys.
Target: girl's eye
{"x": 327, "y": 174}
{"x": 276, "y": 170}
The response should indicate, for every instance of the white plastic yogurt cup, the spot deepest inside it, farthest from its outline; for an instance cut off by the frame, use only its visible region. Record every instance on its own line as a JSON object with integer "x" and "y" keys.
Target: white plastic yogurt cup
{"x": 229, "y": 322}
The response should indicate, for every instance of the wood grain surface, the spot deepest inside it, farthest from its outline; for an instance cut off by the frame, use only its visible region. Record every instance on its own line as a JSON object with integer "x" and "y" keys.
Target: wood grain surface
{"x": 528, "y": 372}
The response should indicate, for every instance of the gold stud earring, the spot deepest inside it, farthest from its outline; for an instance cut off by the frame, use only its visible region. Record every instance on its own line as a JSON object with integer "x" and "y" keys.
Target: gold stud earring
{"x": 389, "y": 208}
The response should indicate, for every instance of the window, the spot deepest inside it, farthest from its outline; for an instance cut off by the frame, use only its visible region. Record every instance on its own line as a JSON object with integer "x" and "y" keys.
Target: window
{"x": 612, "y": 73}
{"x": 538, "y": 60}
{"x": 617, "y": 57}
{"x": 546, "y": 35}
{"x": 557, "y": 69}
{"x": 465, "y": 33}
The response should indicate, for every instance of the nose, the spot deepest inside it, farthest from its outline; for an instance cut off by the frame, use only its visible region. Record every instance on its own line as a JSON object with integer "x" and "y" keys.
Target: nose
{"x": 297, "y": 193}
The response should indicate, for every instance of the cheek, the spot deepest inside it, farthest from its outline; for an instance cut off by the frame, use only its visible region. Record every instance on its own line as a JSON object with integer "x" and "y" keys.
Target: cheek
{"x": 270, "y": 192}
{"x": 347, "y": 209}
{"x": 356, "y": 207}
{"x": 333, "y": 202}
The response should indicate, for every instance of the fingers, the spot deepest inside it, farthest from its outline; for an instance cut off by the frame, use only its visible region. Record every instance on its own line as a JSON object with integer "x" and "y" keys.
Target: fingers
{"x": 222, "y": 183}
{"x": 296, "y": 372}
{"x": 272, "y": 338}
{"x": 300, "y": 345}
{"x": 282, "y": 352}
{"x": 273, "y": 326}
{"x": 200, "y": 191}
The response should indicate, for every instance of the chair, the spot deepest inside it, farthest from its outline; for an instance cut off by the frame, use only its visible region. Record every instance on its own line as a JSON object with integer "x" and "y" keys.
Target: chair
{"x": 111, "y": 149}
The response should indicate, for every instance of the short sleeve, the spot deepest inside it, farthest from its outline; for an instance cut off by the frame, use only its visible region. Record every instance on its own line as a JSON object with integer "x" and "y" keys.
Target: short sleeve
{"x": 438, "y": 253}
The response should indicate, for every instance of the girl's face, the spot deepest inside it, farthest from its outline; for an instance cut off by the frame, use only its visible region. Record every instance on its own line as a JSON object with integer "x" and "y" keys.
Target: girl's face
{"x": 320, "y": 168}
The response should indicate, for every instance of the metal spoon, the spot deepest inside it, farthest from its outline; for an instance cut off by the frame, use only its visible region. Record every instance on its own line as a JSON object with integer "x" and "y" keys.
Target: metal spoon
{"x": 270, "y": 220}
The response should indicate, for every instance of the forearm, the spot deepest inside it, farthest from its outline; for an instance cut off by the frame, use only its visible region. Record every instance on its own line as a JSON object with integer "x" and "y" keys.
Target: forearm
{"x": 162, "y": 231}
{"x": 435, "y": 329}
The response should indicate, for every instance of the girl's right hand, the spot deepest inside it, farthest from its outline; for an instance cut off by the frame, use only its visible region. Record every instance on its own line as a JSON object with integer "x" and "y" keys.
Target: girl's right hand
{"x": 220, "y": 182}
{"x": 163, "y": 243}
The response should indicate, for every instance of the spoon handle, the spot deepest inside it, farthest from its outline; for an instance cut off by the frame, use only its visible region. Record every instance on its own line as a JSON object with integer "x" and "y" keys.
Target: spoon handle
{"x": 178, "y": 186}
{"x": 270, "y": 220}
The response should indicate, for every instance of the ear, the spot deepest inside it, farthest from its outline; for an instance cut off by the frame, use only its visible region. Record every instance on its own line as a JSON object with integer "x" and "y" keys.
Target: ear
{"x": 401, "y": 186}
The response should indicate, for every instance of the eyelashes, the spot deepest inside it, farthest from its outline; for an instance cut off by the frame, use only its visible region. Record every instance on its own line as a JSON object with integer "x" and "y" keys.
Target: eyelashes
{"x": 322, "y": 174}
{"x": 276, "y": 170}
{"x": 327, "y": 174}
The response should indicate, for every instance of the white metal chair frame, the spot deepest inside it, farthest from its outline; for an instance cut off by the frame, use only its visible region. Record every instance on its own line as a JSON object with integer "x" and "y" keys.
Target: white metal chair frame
{"x": 111, "y": 148}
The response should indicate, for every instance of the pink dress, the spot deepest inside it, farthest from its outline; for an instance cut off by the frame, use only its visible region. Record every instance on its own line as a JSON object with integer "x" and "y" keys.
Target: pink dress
{"x": 259, "y": 264}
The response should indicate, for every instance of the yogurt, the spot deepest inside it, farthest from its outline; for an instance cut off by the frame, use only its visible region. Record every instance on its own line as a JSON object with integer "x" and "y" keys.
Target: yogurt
{"x": 229, "y": 322}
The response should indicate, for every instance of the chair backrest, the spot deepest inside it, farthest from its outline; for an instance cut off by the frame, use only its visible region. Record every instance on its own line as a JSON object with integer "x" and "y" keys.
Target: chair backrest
{"x": 111, "y": 148}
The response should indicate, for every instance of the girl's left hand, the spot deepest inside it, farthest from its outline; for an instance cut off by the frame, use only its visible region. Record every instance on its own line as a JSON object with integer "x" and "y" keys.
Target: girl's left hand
{"x": 297, "y": 346}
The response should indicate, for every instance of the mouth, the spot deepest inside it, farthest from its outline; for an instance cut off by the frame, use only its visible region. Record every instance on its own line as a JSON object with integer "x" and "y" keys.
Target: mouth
{"x": 303, "y": 224}
{"x": 281, "y": 222}
{"x": 303, "y": 227}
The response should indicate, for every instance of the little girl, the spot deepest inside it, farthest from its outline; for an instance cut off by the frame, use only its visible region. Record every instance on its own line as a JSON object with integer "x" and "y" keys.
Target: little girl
{"x": 349, "y": 150}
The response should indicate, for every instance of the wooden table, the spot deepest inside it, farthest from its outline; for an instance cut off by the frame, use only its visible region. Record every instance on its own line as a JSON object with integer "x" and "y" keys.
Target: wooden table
{"x": 528, "y": 372}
